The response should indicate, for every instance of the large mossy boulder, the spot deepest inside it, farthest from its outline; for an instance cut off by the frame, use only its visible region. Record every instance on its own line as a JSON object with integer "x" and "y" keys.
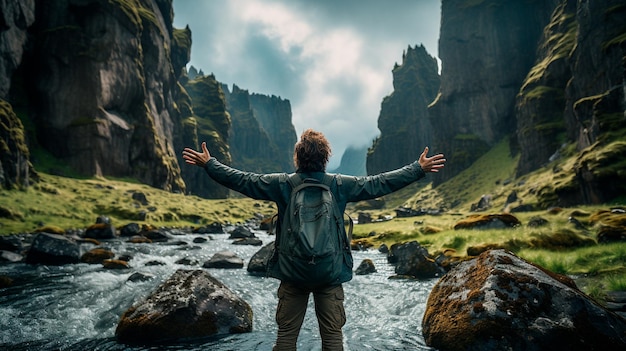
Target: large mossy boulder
{"x": 190, "y": 305}
{"x": 499, "y": 301}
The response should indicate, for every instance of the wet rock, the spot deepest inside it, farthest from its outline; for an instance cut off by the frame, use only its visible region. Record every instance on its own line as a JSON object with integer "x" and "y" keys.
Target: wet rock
{"x": 412, "y": 259}
{"x": 53, "y": 249}
{"x": 155, "y": 235}
{"x": 140, "y": 277}
{"x": 139, "y": 239}
{"x": 100, "y": 231}
{"x": 258, "y": 263}
{"x": 130, "y": 229}
{"x": 366, "y": 267}
{"x": 224, "y": 259}
{"x": 5, "y": 281}
{"x": 248, "y": 241}
{"x": 8, "y": 256}
{"x": 488, "y": 221}
{"x": 11, "y": 243}
{"x": 96, "y": 256}
{"x": 115, "y": 264}
{"x": 190, "y": 305}
{"x": 241, "y": 232}
{"x": 383, "y": 248}
{"x": 499, "y": 301}
{"x": 188, "y": 261}
{"x": 364, "y": 218}
{"x": 200, "y": 240}
{"x": 213, "y": 228}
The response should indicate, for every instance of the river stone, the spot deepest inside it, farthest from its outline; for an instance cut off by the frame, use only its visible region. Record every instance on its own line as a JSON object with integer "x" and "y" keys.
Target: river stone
{"x": 498, "y": 301}
{"x": 258, "y": 263}
{"x": 224, "y": 259}
{"x": 366, "y": 267}
{"x": 53, "y": 249}
{"x": 190, "y": 305}
{"x": 412, "y": 259}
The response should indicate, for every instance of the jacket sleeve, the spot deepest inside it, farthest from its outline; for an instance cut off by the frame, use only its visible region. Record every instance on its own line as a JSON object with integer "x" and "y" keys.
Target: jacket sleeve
{"x": 254, "y": 185}
{"x": 369, "y": 187}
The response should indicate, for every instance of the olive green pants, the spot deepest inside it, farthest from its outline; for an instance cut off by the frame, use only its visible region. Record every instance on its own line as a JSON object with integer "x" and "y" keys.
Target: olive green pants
{"x": 292, "y": 304}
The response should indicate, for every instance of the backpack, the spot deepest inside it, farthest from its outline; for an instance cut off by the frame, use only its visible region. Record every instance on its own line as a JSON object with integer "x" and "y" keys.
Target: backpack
{"x": 312, "y": 248}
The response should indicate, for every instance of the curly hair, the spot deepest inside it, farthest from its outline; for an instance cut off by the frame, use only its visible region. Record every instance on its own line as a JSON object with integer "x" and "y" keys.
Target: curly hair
{"x": 312, "y": 152}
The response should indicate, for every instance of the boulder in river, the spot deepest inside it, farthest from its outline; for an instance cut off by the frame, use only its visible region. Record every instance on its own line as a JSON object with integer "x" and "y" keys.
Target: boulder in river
{"x": 190, "y": 305}
{"x": 53, "y": 249}
{"x": 498, "y": 301}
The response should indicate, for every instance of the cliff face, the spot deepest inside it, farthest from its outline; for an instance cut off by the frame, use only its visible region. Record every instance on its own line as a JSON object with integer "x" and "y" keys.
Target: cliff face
{"x": 403, "y": 121}
{"x": 486, "y": 48}
{"x": 206, "y": 120}
{"x": 549, "y": 73}
{"x": 15, "y": 168}
{"x": 251, "y": 148}
{"x": 104, "y": 87}
{"x": 274, "y": 116}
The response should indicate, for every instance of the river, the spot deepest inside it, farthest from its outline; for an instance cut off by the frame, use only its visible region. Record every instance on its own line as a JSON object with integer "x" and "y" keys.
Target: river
{"x": 77, "y": 306}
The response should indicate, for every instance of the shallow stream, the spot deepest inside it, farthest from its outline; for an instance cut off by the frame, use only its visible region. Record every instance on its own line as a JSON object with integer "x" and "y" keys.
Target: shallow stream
{"x": 77, "y": 306}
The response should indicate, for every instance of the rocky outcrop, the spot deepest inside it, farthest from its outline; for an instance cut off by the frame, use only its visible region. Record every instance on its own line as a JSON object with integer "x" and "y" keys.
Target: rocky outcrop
{"x": 16, "y": 17}
{"x": 98, "y": 80}
{"x": 403, "y": 121}
{"x": 188, "y": 305}
{"x": 498, "y": 301}
{"x": 15, "y": 168}
{"x": 207, "y": 120}
{"x": 251, "y": 148}
{"x": 274, "y": 116}
{"x": 486, "y": 49}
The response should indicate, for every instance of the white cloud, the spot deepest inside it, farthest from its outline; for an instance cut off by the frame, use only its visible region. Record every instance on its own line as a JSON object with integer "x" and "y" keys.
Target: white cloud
{"x": 331, "y": 59}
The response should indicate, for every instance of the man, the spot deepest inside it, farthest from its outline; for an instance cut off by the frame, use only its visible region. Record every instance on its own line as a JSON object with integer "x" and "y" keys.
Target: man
{"x": 311, "y": 156}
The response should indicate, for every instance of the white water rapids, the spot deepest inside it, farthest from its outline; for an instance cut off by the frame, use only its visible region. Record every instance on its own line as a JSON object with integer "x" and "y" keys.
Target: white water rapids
{"x": 78, "y": 306}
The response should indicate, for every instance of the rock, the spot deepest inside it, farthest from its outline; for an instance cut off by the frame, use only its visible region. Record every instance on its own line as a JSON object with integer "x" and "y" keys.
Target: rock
{"x": 200, "y": 240}
{"x": 140, "y": 277}
{"x": 258, "y": 263}
{"x": 364, "y": 217}
{"x": 499, "y": 301}
{"x": 413, "y": 260}
{"x": 213, "y": 228}
{"x": 224, "y": 259}
{"x": 241, "y": 232}
{"x": 130, "y": 229}
{"x": 96, "y": 256}
{"x": 11, "y": 243}
{"x": 5, "y": 281}
{"x": 608, "y": 234}
{"x": 139, "y": 239}
{"x": 115, "y": 264}
{"x": 155, "y": 235}
{"x": 408, "y": 212}
{"x": 100, "y": 230}
{"x": 188, "y": 261}
{"x": 8, "y": 256}
{"x": 537, "y": 221}
{"x": 53, "y": 249}
{"x": 140, "y": 197}
{"x": 488, "y": 221}
{"x": 248, "y": 241}
{"x": 383, "y": 248}
{"x": 366, "y": 267}
{"x": 190, "y": 305}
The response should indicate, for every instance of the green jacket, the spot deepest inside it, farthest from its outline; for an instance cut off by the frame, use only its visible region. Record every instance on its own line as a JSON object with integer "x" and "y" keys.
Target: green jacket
{"x": 275, "y": 187}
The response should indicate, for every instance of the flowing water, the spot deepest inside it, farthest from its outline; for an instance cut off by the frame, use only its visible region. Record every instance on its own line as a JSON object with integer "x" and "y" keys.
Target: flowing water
{"x": 78, "y": 306}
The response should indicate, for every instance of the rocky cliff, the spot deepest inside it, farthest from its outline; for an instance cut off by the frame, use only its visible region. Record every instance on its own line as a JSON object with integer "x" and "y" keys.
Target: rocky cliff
{"x": 274, "y": 116}
{"x": 549, "y": 73}
{"x": 486, "y": 48}
{"x": 253, "y": 117}
{"x": 403, "y": 121}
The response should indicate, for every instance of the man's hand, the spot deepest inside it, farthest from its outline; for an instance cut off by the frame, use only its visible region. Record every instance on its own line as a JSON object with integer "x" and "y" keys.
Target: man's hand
{"x": 431, "y": 164}
{"x": 196, "y": 158}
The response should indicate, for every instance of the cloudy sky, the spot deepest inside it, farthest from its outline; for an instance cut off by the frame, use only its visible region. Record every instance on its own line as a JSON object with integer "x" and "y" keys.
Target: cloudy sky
{"x": 332, "y": 59}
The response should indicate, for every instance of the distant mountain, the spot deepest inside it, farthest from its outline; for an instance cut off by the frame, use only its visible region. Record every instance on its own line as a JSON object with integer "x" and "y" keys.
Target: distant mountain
{"x": 352, "y": 162}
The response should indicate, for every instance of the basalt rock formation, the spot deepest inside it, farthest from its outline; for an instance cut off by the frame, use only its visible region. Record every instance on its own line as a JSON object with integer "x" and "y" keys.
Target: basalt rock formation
{"x": 403, "y": 121}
